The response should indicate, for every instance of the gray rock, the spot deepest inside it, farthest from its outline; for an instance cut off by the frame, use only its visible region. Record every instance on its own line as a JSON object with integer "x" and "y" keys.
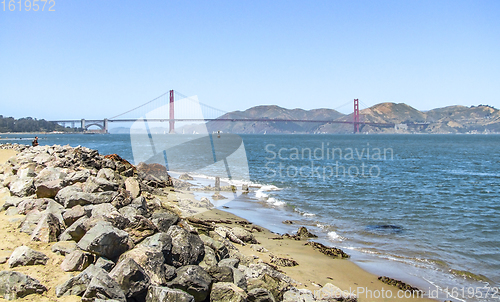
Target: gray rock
{"x": 73, "y": 214}
{"x": 221, "y": 273}
{"x": 12, "y": 211}
{"x": 78, "y": 229}
{"x": 74, "y": 195}
{"x": 64, "y": 247}
{"x": 48, "y": 229}
{"x": 165, "y": 294}
{"x": 11, "y": 201}
{"x": 24, "y": 255}
{"x": 77, "y": 177}
{"x": 49, "y": 188}
{"x": 209, "y": 260}
{"x": 163, "y": 221}
{"x": 109, "y": 174}
{"x": 30, "y": 204}
{"x": 22, "y": 187}
{"x": 102, "y": 286}
{"x": 187, "y": 248}
{"x": 243, "y": 235}
{"x": 129, "y": 212}
{"x": 132, "y": 185}
{"x": 98, "y": 184}
{"x": 132, "y": 279}
{"x": 78, "y": 284}
{"x": 152, "y": 260}
{"x": 221, "y": 251}
{"x": 105, "y": 240}
{"x": 260, "y": 295}
{"x": 140, "y": 228}
{"x": 227, "y": 292}
{"x": 77, "y": 260}
{"x": 194, "y": 280}
{"x": 14, "y": 285}
{"x": 105, "y": 264}
{"x": 230, "y": 262}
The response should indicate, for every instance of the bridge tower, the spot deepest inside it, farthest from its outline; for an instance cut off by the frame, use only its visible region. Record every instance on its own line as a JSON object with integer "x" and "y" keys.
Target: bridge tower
{"x": 356, "y": 116}
{"x": 172, "y": 116}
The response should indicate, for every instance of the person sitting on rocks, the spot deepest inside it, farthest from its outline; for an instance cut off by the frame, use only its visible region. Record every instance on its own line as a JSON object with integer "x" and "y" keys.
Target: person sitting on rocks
{"x": 34, "y": 143}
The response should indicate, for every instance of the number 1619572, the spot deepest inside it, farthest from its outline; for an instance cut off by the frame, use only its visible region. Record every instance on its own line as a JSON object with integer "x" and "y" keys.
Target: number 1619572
{"x": 27, "y": 5}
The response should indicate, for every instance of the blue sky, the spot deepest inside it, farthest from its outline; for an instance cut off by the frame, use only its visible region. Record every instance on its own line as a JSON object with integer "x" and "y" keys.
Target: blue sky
{"x": 96, "y": 59}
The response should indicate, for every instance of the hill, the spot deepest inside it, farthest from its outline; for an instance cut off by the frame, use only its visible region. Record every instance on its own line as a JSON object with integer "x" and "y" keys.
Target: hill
{"x": 399, "y": 117}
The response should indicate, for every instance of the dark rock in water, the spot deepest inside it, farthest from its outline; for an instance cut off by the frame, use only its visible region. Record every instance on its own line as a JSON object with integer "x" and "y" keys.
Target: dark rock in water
{"x": 24, "y": 255}
{"x": 218, "y": 196}
{"x": 132, "y": 278}
{"x": 329, "y": 251}
{"x": 226, "y": 291}
{"x": 194, "y": 280}
{"x": 385, "y": 228}
{"x": 260, "y": 295}
{"x": 14, "y": 285}
{"x": 401, "y": 285}
{"x": 287, "y": 222}
{"x": 102, "y": 286}
{"x": 165, "y": 294}
{"x": 187, "y": 248}
{"x": 105, "y": 264}
{"x": 77, "y": 260}
{"x": 105, "y": 240}
{"x": 303, "y": 232}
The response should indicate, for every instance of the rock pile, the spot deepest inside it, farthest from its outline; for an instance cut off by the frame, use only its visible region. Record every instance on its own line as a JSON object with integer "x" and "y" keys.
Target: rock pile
{"x": 125, "y": 242}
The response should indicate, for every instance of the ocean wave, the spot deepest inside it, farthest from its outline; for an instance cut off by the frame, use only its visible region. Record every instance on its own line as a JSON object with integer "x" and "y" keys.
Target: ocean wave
{"x": 333, "y": 236}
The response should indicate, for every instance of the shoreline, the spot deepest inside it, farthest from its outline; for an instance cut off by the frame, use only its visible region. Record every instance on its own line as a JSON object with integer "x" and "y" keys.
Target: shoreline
{"x": 314, "y": 269}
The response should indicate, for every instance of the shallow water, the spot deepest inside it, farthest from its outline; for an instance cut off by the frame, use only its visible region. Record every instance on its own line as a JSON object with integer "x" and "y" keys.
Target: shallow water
{"x": 427, "y": 204}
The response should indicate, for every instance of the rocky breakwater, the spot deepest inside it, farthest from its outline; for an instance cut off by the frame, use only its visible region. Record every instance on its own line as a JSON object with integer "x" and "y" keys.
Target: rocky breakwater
{"x": 122, "y": 232}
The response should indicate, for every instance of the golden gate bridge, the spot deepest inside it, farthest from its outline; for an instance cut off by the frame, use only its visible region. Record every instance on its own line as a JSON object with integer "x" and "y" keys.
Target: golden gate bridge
{"x": 172, "y": 114}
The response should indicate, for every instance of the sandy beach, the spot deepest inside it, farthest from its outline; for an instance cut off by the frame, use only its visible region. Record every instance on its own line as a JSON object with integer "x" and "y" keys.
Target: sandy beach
{"x": 314, "y": 268}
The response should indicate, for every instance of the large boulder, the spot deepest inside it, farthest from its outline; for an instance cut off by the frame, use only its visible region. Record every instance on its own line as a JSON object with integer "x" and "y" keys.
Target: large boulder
{"x": 102, "y": 286}
{"x": 29, "y": 204}
{"x": 164, "y": 220}
{"x": 243, "y": 235}
{"x": 165, "y": 294}
{"x": 78, "y": 229}
{"x": 77, "y": 260}
{"x": 260, "y": 295}
{"x": 221, "y": 251}
{"x": 132, "y": 278}
{"x": 139, "y": 228}
{"x": 22, "y": 187}
{"x": 105, "y": 240}
{"x": 73, "y": 214}
{"x": 227, "y": 292}
{"x": 98, "y": 184}
{"x": 194, "y": 280}
{"x": 132, "y": 185}
{"x": 63, "y": 247}
{"x": 49, "y": 181}
{"x": 30, "y": 221}
{"x": 14, "y": 285}
{"x": 187, "y": 248}
{"x": 48, "y": 229}
{"x": 24, "y": 255}
{"x": 78, "y": 284}
{"x": 152, "y": 261}
{"x": 73, "y": 195}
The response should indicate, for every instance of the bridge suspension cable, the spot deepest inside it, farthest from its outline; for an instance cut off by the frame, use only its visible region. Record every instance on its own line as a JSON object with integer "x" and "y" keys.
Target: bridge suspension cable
{"x": 140, "y": 106}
